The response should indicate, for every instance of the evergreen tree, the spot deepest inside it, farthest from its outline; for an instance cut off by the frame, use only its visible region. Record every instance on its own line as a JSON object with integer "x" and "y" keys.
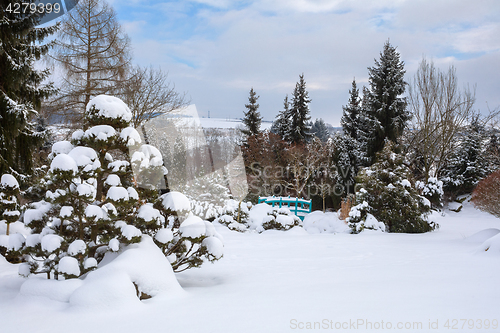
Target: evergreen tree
{"x": 388, "y": 195}
{"x": 384, "y": 102}
{"x": 252, "y": 118}
{"x": 345, "y": 158}
{"x": 364, "y": 132}
{"x": 349, "y": 120}
{"x": 320, "y": 130}
{"x": 468, "y": 164}
{"x": 21, "y": 88}
{"x": 281, "y": 125}
{"x": 300, "y": 131}
{"x": 9, "y": 206}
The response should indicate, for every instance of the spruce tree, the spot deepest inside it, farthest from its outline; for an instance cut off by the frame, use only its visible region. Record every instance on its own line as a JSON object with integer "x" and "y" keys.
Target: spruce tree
{"x": 320, "y": 130}
{"x": 21, "y": 87}
{"x": 349, "y": 120}
{"x": 281, "y": 125}
{"x": 252, "y": 118}
{"x": 346, "y": 160}
{"x": 300, "y": 130}
{"x": 364, "y": 132}
{"x": 384, "y": 102}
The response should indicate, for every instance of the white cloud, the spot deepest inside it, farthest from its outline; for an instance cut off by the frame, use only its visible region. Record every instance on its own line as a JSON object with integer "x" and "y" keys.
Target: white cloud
{"x": 268, "y": 44}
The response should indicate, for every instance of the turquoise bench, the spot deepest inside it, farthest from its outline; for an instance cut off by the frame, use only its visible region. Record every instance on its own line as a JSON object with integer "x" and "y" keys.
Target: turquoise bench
{"x": 300, "y": 207}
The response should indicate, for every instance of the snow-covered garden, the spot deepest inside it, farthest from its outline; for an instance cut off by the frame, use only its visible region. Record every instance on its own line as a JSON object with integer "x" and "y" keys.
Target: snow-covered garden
{"x": 279, "y": 281}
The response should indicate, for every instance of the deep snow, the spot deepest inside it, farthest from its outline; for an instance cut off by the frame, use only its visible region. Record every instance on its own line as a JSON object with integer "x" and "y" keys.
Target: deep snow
{"x": 277, "y": 281}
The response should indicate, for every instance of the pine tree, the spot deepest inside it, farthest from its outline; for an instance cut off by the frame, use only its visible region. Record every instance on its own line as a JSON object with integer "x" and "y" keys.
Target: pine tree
{"x": 252, "y": 118}
{"x": 320, "y": 130}
{"x": 281, "y": 125}
{"x": 9, "y": 206}
{"x": 300, "y": 131}
{"x": 349, "y": 120}
{"x": 21, "y": 88}
{"x": 384, "y": 101}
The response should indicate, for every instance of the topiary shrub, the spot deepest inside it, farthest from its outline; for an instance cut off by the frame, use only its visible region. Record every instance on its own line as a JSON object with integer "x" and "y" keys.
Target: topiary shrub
{"x": 280, "y": 219}
{"x": 486, "y": 196}
{"x": 387, "y": 193}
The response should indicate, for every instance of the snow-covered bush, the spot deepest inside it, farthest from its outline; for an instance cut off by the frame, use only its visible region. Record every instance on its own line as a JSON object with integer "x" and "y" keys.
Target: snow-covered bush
{"x": 390, "y": 197}
{"x": 10, "y": 213}
{"x": 235, "y": 215}
{"x": 280, "y": 219}
{"x": 486, "y": 196}
{"x": 9, "y": 206}
{"x": 432, "y": 190}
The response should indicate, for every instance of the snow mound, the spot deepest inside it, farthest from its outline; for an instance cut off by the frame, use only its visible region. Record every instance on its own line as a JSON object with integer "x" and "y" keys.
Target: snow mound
{"x": 53, "y": 289}
{"x": 175, "y": 201}
{"x": 491, "y": 245}
{"x": 61, "y": 147}
{"x": 482, "y": 236}
{"x": 84, "y": 156}
{"x": 69, "y": 265}
{"x": 193, "y": 227}
{"x": 63, "y": 162}
{"x": 100, "y": 132}
{"x": 130, "y": 136}
{"x": 110, "y": 107}
{"x": 112, "y": 285}
{"x": 9, "y": 181}
{"x": 319, "y": 222}
{"x": 147, "y": 156}
{"x": 117, "y": 193}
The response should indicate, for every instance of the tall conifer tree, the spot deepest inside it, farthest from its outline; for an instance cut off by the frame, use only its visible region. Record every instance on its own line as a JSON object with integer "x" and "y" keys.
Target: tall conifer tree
{"x": 384, "y": 103}
{"x": 349, "y": 120}
{"x": 300, "y": 130}
{"x": 281, "y": 125}
{"x": 252, "y": 118}
{"x": 21, "y": 87}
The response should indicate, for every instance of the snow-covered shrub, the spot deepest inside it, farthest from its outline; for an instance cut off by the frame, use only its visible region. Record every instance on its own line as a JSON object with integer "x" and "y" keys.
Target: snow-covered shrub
{"x": 432, "y": 190}
{"x": 280, "y": 219}
{"x": 10, "y": 213}
{"x": 390, "y": 197}
{"x": 9, "y": 206}
{"x": 235, "y": 215}
{"x": 486, "y": 196}
{"x": 91, "y": 202}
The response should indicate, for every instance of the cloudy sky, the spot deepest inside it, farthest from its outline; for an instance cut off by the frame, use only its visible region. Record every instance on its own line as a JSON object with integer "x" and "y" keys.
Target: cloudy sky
{"x": 216, "y": 50}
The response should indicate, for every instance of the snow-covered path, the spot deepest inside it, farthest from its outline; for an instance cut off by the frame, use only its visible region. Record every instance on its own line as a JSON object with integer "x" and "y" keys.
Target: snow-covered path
{"x": 285, "y": 281}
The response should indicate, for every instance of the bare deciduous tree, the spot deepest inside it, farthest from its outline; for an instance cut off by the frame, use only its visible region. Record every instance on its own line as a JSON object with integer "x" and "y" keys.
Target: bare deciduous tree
{"x": 149, "y": 94}
{"x": 93, "y": 54}
{"x": 440, "y": 110}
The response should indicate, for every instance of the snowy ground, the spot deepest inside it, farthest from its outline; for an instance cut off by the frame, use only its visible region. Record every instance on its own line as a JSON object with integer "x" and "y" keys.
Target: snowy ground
{"x": 291, "y": 281}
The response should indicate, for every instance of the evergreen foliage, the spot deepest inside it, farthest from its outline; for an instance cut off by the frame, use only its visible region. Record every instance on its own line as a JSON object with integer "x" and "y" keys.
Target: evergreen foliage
{"x": 384, "y": 103}
{"x": 320, "y": 130}
{"x": 252, "y": 119}
{"x": 97, "y": 200}
{"x": 468, "y": 164}
{"x": 345, "y": 158}
{"x": 9, "y": 205}
{"x": 388, "y": 194}
{"x": 281, "y": 126}
{"x": 300, "y": 130}
{"x": 21, "y": 88}
{"x": 351, "y": 112}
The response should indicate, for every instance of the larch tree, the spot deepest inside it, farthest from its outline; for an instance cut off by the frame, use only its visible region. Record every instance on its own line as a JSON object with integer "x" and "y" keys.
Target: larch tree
{"x": 253, "y": 119}
{"x": 93, "y": 53}
{"x": 22, "y": 88}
